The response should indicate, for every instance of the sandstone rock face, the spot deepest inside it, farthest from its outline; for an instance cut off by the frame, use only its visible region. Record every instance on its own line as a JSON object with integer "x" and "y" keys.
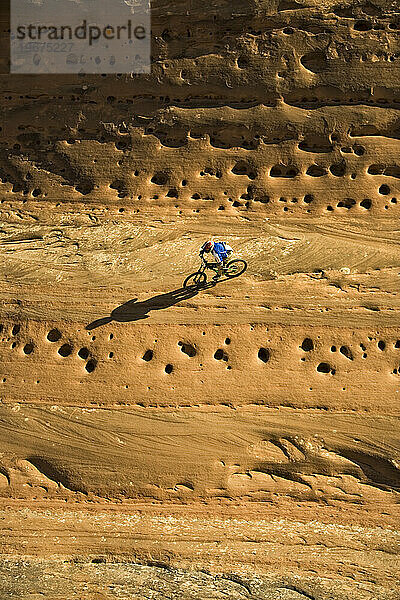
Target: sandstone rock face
{"x": 239, "y": 439}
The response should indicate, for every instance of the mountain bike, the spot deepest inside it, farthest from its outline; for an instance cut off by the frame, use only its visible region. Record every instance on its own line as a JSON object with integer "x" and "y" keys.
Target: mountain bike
{"x": 233, "y": 268}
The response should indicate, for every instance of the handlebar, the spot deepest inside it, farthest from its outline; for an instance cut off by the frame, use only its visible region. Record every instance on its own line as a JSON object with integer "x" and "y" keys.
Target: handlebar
{"x": 210, "y": 264}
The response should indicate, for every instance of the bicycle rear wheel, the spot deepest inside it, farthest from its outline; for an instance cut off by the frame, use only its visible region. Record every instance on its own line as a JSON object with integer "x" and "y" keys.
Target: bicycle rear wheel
{"x": 195, "y": 279}
{"x": 234, "y": 268}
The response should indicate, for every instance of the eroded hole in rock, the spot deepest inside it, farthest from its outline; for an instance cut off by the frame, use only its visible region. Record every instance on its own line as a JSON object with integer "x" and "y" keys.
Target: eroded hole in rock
{"x": 307, "y": 345}
{"x": 324, "y": 367}
{"x": 159, "y": 178}
{"x": 284, "y": 171}
{"x": 316, "y": 62}
{"x": 358, "y": 150}
{"x": 123, "y": 144}
{"x": 397, "y": 344}
{"x": 54, "y": 335}
{"x": 148, "y": 355}
{"x": 120, "y": 187}
{"x": 85, "y": 187}
{"x": 338, "y": 169}
{"x": 366, "y": 203}
{"x": 263, "y": 199}
{"x": 83, "y": 353}
{"x": 213, "y": 172}
{"x": 219, "y": 354}
{"x": 168, "y": 369}
{"x": 65, "y": 350}
{"x": 375, "y": 169}
{"x": 381, "y": 345}
{"x": 316, "y": 171}
{"x": 227, "y": 341}
{"x": 317, "y": 144}
{"x": 362, "y": 26}
{"x": 345, "y": 350}
{"x": 346, "y": 203}
{"x": 28, "y": 348}
{"x": 18, "y": 187}
{"x": 363, "y": 130}
{"x": 91, "y": 365}
{"x": 263, "y": 355}
{"x": 308, "y": 198}
{"x": 384, "y": 189}
{"x": 242, "y": 62}
{"x": 392, "y": 171}
{"x": 16, "y": 329}
{"x": 172, "y": 193}
{"x": 187, "y": 349}
{"x": 243, "y": 168}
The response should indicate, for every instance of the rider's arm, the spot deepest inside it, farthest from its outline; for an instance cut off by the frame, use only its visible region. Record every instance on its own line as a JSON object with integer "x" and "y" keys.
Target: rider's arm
{"x": 216, "y": 256}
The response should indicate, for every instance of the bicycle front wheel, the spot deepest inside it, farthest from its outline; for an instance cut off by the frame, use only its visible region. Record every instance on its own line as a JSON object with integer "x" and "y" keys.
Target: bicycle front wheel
{"x": 236, "y": 267}
{"x": 195, "y": 280}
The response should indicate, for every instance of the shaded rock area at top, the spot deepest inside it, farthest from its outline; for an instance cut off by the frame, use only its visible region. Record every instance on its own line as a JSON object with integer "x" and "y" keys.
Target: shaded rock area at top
{"x": 237, "y": 440}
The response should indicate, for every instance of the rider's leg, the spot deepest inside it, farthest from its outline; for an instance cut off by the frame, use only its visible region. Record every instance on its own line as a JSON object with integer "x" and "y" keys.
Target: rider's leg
{"x": 222, "y": 266}
{"x": 220, "y": 271}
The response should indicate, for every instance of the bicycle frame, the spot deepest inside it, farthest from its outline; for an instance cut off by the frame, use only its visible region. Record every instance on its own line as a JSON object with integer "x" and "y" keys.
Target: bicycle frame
{"x": 208, "y": 265}
{"x": 199, "y": 277}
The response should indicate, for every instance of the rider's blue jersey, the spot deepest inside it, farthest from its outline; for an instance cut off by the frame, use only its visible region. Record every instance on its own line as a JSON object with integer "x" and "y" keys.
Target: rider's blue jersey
{"x": 220, "y": 251}
{"x": 219, "y": 248}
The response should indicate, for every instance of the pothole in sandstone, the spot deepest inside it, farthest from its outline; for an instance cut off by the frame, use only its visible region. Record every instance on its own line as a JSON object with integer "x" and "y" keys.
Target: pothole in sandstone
{"x": 187, "y": 349}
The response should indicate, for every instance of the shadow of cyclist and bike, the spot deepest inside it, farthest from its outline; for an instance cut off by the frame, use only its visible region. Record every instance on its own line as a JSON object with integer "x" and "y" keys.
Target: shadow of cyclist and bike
{"x": 193, "y": 284}
{"x": 135, "y": 311}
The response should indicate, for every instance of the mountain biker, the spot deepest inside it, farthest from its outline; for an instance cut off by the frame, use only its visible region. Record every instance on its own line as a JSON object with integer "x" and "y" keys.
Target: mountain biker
{"x": 220, "y": 251}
